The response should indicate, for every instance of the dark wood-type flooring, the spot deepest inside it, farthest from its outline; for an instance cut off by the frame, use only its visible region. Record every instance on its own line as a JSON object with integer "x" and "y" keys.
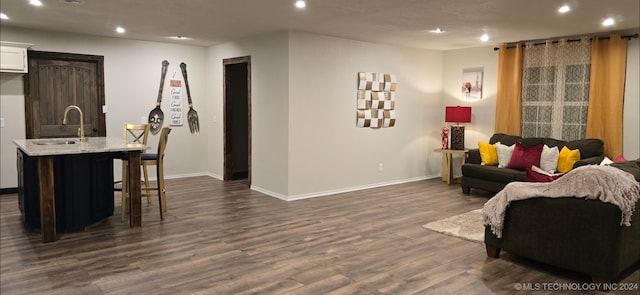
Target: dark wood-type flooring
{"x": 222, "y": 238}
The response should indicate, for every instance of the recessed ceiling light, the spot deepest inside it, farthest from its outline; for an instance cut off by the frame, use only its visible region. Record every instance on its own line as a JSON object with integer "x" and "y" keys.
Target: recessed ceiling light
{"x": 484, "y": 38}
{"x": 120, "y": 30}
{"x": 180, "y": 37}
{"x": 608, "y": 22}
{"x": 437, "y": 31}
{"x": 301, "y": 4}
{"x": 564, "y": 9}
{"x": 35, "y": 2}
{"x": 3, "y": 16}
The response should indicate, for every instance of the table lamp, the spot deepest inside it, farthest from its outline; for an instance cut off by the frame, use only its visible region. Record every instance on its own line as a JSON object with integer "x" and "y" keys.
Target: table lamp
{"x": 458, "y": 115}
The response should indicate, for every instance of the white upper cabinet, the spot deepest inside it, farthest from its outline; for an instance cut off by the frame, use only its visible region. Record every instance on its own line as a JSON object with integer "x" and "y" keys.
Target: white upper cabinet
{"x": 13, "y": 57}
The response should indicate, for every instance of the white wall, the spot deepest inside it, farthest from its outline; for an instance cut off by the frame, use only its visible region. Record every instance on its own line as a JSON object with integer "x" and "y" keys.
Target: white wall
{"x": 483, "y": 111}
{"x": 132, "y": 76}
{"x": 305, "y": 142}
{"x": 327, "y": 152}
{"x": 269, "y": 108}
{"x": 303, "y": 114}
{"x": 12, "y": 110}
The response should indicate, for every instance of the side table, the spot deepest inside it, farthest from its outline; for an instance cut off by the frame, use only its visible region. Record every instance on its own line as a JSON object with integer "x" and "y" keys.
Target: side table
{"x": 447, "y": 159}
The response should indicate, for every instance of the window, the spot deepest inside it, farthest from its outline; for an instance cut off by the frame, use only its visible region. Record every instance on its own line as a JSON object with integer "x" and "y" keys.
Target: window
{"x": 555, "y": 89}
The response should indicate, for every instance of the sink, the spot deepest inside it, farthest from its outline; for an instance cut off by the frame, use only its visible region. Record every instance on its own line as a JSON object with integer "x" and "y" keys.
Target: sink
{"x": 55, "y": 142}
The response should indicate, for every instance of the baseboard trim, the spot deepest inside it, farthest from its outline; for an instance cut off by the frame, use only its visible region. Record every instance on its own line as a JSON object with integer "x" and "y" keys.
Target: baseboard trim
{"x": 337, "y": 191}
{"x": 179, "y": 176}
{"x": 182, "y": 175}
{"x": 269, "y": 193}
{"x": 216, "y": 176}
{"x": 8, "y": 190}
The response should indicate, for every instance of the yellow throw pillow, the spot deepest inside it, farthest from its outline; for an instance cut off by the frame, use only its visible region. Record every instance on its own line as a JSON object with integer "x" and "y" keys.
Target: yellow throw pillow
{"x": 567, "y": 158}
{"x": 488, "y": 153}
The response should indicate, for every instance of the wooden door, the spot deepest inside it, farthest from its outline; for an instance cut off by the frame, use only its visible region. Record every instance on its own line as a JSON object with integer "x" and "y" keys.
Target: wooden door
{"x": 57, "y": 80}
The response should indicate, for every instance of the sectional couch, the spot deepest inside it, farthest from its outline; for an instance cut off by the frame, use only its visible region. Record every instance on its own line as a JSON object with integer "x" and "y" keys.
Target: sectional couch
{"x": 493, "y": 179}
{"x": 580, "y": 235}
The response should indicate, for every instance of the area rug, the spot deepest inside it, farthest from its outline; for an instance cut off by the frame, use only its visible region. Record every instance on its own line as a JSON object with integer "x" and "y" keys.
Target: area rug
{"x": 466, "y": 226}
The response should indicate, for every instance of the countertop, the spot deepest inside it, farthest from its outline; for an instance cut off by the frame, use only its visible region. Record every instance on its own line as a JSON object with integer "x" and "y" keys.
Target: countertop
{"x": 70, "y": 146}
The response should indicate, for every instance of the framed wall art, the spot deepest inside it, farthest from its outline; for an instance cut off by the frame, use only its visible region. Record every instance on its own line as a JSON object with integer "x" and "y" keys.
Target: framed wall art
{"x": 471, "y": 87}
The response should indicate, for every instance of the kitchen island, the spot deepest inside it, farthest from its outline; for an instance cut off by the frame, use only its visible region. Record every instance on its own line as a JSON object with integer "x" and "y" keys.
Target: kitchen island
{"x": 83, "y": 172}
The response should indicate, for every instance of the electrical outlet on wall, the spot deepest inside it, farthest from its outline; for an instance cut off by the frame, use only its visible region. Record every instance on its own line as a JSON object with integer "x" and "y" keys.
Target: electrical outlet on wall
{"x": 1, "y": 122}
{"x": 380, "y": 166}
{"x": 143, "y": 120}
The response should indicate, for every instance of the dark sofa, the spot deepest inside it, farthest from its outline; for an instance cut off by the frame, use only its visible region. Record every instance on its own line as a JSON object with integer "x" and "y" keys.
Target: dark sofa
{"x": 576, "y": 234}
{"x": 494, "y": 179}
{"x": 572, "y": 233}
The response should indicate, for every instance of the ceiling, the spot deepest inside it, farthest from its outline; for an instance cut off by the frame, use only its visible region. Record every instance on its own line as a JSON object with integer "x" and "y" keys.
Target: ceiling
{"x": 399, "y": 22}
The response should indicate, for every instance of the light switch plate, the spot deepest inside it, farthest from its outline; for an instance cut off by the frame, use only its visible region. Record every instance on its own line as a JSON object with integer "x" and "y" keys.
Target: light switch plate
{"x": 1, "y": 122}
{"x": 105, "y": 109}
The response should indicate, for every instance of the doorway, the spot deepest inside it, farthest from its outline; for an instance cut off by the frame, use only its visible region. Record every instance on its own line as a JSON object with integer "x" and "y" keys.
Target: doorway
{"x": 237, "y": 119}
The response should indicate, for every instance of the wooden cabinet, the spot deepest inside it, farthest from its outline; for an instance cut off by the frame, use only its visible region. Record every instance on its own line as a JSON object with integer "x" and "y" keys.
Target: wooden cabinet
{"x": 13, "y": 57}
{"x": 83, "y": 187}
{"x": 57, "y": 80}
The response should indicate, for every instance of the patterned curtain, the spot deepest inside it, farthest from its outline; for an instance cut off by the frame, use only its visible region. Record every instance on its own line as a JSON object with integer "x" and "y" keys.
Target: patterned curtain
{"x": 555, "y": 89}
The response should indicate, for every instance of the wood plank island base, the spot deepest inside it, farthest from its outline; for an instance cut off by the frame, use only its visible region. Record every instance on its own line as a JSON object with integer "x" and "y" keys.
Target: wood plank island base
{"x": 47, "y": 152}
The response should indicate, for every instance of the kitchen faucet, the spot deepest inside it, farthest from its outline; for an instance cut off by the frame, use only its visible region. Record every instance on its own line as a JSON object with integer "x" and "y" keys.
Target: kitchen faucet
{"x": 81, "y": 129}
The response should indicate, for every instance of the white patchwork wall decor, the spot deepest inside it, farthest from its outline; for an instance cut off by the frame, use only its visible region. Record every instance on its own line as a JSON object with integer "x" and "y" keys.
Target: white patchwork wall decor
{"x": 376, "y": 100}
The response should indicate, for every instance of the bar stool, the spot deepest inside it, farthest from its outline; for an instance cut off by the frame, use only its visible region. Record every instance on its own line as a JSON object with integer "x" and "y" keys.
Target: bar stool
{"x": 132, "y": 133}
{"x": 157, "y": 159}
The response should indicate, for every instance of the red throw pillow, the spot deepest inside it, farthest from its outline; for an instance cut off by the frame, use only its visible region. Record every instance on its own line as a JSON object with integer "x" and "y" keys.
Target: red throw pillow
{"x": 523, "y": 158}
{"x": 619, "y": 159}
{"x": 533, "y": 176}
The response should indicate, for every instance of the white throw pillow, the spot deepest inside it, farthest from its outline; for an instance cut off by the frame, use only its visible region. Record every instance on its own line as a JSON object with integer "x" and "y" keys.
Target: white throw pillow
{"x": 504, "y": 154}
{"x": 549, "y": 159}
{"x": 606, "y": 161}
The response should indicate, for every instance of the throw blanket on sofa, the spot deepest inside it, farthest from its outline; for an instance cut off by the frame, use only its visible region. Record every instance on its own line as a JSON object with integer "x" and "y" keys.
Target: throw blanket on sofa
{"x": 604, "y": 183}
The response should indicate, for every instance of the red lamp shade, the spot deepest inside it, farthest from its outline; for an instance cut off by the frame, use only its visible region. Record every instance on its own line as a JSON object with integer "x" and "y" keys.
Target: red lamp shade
{"x": 457, "y": 114}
